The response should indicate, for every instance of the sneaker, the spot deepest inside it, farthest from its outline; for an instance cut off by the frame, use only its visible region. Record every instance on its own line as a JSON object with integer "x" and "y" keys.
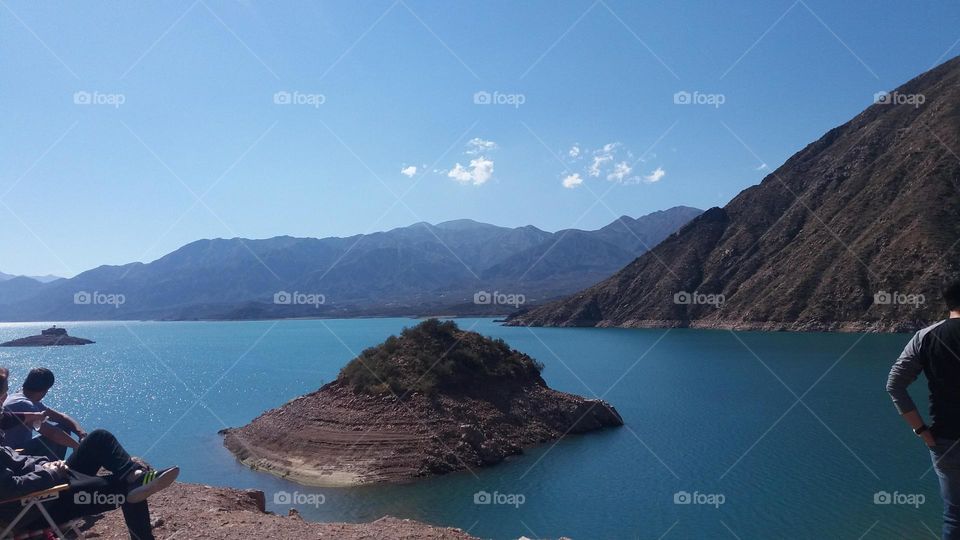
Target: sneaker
{"x": 150, "y": 482}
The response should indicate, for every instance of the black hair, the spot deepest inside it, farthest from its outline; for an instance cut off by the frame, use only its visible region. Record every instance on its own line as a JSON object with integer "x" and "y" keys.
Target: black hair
{"x": 39, "y": 379}
{"x": 951, "y": 292}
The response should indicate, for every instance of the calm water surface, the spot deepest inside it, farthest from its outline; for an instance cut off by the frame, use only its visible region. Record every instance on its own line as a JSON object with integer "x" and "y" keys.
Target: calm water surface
{"x": 792, "y": 433}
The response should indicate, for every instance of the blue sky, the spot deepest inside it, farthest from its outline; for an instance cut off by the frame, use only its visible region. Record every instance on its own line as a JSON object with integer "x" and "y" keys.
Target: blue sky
{"x": 130, "y": 130}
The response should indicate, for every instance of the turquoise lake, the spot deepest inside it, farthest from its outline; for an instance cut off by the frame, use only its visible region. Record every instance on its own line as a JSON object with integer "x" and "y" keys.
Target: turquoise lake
{"x": 779, "y": 435}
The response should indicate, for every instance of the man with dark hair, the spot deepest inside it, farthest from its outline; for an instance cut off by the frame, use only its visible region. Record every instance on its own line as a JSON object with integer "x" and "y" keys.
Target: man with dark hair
{"x": 54, "y": 434}
{"x": 935, "y": 351}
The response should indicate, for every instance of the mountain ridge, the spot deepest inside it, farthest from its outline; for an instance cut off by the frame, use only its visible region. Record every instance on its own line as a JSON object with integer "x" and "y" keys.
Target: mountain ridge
{"x": 851, "y": 233}
{"x": 417, "y": 269}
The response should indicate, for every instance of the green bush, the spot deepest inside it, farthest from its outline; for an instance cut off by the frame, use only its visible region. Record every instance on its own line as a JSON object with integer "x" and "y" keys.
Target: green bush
{"x": 435, "y": 357}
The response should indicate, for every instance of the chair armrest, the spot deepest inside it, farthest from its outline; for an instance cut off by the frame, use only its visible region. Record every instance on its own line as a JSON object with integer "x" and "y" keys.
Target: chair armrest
{"x": 38, "y": 494}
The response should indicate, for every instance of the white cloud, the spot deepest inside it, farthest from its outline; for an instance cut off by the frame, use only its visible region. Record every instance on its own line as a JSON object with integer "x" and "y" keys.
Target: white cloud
{"x": 477, "y": 145}
{"x": 477, "y": 173}
{"x": 601, "y": 157}
{"x": 655, "y": 176}
{"x": 762, "y": 167}
{"x": 572, "y": 181}
{"x": 480, "y": 168}
{"x": 409, "y": 171}
{"x": 620, "y": 172}
{"x": 598, "y": 163}
{"x": 612, "y": 161}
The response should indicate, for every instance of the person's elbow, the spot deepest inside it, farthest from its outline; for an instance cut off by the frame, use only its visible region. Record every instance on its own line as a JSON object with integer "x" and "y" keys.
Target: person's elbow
{"x": 892, "y": 387}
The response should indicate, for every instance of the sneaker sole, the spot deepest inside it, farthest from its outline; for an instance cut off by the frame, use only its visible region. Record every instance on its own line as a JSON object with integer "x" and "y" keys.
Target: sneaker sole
{"x": 162, "y": 481}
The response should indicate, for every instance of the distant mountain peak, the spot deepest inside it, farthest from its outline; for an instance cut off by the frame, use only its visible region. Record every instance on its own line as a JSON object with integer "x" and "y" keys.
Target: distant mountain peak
{"x": 463, "y": 222}
{"x": 42, "y": 279}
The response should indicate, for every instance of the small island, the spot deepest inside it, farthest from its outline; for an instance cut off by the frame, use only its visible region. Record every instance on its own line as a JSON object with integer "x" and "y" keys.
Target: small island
{"x": 434, "y": 400}
{"x": 50, "y": 337}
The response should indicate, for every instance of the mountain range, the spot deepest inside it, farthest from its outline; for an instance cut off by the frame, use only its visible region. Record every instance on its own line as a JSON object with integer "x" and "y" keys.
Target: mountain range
{"x": 456, "y": 267}
{"x": 42, "y": 279}
{"x": 853, "y": 232}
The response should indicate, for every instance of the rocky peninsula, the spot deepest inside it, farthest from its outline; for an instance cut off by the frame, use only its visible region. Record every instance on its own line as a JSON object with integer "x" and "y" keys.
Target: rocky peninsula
{"x": 434, "y": 400}
{"x": 50, "y": 337}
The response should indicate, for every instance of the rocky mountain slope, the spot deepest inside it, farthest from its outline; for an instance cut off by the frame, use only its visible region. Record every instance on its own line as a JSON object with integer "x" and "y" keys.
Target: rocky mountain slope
{"x": 420, "y": 269}
{"x": 852, "y": 233}
{"x": 434, "y": 400}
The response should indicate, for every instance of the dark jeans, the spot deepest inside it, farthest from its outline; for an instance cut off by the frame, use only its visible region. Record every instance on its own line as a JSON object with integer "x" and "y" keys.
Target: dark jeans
{"x": 90, "y": 494}
{"x": 946, "y": 462}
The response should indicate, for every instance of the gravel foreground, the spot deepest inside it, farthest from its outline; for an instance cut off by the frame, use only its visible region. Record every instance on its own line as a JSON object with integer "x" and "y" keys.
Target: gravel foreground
{"x": 189, "y": 511}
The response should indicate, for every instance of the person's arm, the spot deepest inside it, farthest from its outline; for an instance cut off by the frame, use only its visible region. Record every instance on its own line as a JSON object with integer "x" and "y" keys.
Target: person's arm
{"x": 58, "y": 435}
{"x": 20, "y": 475}
{"x": 66, "y": 422}
{"x": 904, "y": 371}
{"x": 10, "y": 419}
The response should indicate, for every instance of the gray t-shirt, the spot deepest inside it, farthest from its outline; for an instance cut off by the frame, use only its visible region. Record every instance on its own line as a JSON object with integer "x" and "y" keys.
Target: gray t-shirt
{"x": 19, "y": 435}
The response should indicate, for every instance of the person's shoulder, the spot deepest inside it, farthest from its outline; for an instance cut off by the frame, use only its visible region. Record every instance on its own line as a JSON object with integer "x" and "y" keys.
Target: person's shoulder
{"x": 924, "y": 331}
{"x": 19, "y": 402}
{"x": 15, "y": 397}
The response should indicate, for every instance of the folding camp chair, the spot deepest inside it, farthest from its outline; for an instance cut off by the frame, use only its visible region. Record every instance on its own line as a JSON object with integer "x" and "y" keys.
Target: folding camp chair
{"x": 36, "y": 500}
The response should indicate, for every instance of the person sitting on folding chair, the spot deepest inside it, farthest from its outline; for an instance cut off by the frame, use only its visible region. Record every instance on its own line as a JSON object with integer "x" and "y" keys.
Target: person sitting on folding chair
{"x": 127, "y": 487}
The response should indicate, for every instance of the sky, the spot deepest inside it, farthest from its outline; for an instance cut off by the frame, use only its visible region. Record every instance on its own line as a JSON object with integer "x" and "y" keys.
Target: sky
{"x": 131, "y": 129}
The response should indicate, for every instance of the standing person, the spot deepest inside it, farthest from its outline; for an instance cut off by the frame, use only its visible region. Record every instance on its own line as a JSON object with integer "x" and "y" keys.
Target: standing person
{"x": 935, "y": 351}
{"x": 55, "y": 433}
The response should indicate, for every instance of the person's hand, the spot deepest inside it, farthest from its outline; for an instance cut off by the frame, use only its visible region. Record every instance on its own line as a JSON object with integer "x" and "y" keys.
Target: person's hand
{"x": 59, "y": 468}
{"x": 928, "y": 439}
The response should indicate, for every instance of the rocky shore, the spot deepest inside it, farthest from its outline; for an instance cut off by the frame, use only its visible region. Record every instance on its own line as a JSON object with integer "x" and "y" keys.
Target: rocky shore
{"x": 188, "y": 511}
{"x": 432, "y": 401}
{"x": 884, "y": 326}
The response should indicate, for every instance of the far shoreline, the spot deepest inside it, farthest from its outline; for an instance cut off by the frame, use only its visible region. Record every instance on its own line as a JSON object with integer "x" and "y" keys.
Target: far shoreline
{"x": 836, "y": 327}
